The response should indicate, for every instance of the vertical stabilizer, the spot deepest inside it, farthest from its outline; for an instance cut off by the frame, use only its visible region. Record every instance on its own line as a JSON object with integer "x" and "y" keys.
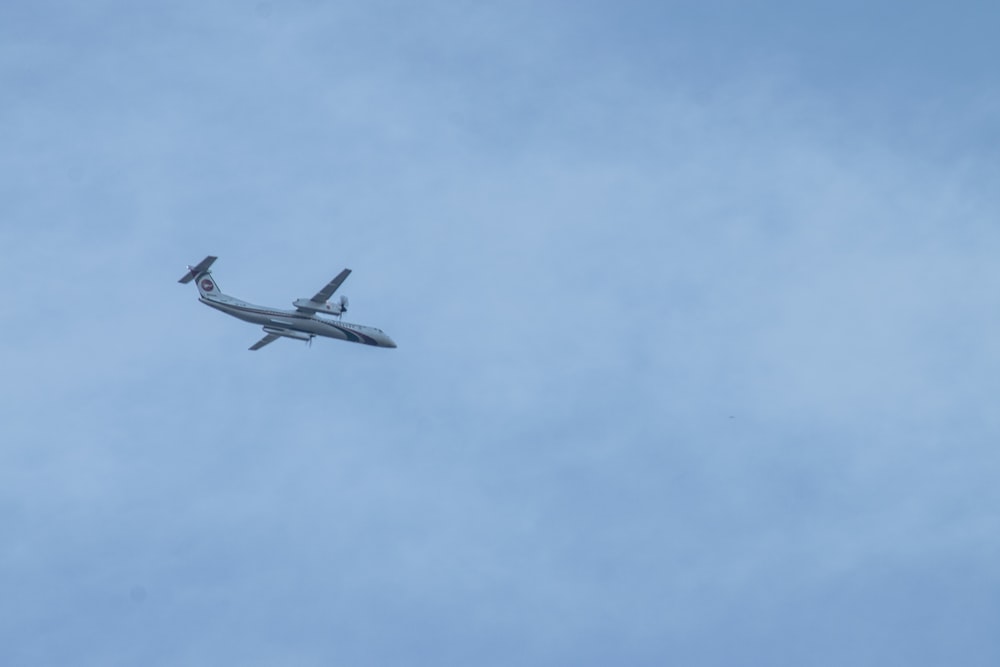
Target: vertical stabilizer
{"x": 202, "y": 277}
{"x": 206, "y": 284}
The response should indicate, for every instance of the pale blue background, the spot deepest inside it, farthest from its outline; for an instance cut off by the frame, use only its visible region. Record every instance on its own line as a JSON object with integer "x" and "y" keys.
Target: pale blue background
{"x": 697, "y": 311}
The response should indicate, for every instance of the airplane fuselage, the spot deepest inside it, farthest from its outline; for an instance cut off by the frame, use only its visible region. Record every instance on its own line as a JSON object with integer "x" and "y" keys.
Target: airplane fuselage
{"x": 292, "y": 320}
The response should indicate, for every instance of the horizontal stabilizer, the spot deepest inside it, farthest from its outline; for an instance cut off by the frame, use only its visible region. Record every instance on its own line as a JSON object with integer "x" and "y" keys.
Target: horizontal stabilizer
{"x": 195, "y": 271}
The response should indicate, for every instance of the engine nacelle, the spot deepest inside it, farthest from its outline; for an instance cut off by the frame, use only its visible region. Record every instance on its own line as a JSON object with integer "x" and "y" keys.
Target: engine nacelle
{"x": 288, "y": 333}
{"x": 314, "y": 307}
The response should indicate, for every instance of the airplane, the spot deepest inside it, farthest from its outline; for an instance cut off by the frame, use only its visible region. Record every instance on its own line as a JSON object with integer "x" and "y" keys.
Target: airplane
{"x": 303, "y": 323}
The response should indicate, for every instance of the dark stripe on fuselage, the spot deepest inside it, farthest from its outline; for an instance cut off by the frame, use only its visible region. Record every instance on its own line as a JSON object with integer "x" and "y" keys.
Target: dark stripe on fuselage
{"x": 352, "y": 335}
{"x": 235, "y": 310}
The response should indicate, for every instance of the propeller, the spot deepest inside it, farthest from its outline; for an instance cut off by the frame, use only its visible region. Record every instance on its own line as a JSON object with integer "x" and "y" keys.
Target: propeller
{"x": 343, "y": 305}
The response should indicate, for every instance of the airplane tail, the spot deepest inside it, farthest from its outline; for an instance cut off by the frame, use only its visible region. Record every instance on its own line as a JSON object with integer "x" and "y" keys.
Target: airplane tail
{"x": 202, "y": 277}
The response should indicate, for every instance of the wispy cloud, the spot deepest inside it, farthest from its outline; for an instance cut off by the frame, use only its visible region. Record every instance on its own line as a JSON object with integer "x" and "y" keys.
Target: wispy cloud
{"x": 685, "y": 352}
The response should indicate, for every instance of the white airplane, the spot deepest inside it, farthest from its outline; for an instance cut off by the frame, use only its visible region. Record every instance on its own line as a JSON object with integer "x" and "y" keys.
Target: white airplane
{"x": 303, "y": 323}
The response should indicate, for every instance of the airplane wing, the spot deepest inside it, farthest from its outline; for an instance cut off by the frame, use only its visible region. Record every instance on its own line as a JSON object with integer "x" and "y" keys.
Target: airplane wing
{"x": 324, "y": 294}
{"x": 269, "y": 338}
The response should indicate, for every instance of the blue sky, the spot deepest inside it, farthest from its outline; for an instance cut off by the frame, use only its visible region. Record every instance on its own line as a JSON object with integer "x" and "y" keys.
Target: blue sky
{"x": 696, "y": 312}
